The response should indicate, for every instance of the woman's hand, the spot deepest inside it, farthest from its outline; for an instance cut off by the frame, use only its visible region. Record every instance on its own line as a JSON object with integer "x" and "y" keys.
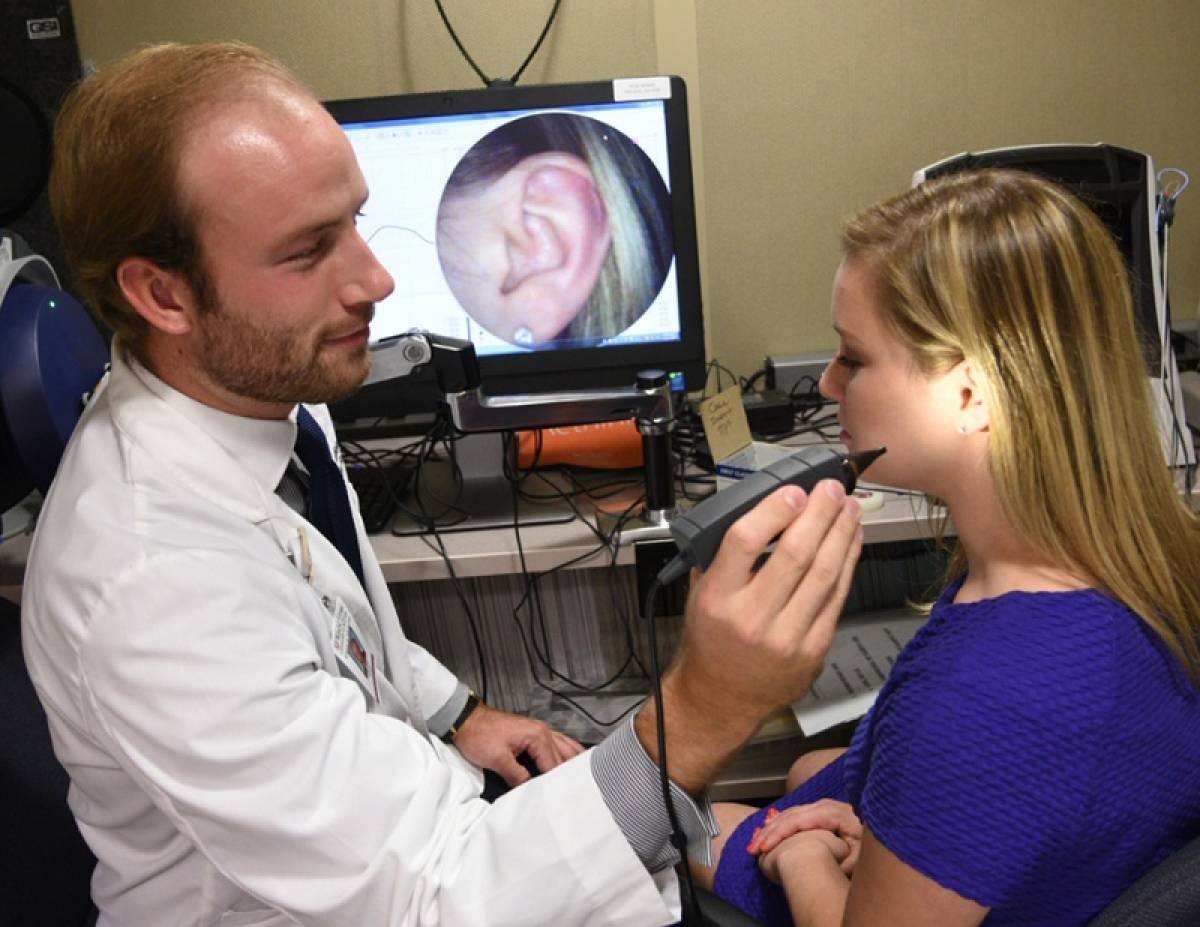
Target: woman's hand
{"x": 805, "y": 856}
{"x": 828, "y": 823}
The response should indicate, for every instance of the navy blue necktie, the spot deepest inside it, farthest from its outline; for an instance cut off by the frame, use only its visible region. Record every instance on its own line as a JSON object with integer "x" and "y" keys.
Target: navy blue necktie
{"x": 328, "y": 502}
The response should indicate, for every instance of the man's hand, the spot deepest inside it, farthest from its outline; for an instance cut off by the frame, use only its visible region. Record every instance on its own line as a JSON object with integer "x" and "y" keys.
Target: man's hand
{"x": 494, "y": 739}
{"x": 755, "y": 639}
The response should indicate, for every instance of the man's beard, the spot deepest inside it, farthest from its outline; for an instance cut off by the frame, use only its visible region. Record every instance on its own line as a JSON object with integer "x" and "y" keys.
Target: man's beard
{"x": 277, "y": 366}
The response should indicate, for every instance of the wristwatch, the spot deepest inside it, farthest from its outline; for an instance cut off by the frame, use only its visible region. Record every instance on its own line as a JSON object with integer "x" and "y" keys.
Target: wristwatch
{"x": 473, "y": 702}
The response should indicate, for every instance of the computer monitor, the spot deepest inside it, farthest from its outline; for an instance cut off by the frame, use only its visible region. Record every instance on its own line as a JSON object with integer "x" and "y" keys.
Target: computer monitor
{"x": 1120, "y": 187}
{"x": 553, "y": 226}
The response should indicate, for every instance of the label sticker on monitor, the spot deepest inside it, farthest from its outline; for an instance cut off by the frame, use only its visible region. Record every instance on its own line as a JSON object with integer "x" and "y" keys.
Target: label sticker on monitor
{"x": 642, "y": 88}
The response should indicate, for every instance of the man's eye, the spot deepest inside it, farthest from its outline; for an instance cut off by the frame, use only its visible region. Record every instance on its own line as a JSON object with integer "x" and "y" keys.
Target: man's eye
{"x": 308, "y": 253}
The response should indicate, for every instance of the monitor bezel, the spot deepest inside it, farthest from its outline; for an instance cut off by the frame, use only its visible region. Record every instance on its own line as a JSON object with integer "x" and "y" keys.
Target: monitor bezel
{"x": 579, "y": 368}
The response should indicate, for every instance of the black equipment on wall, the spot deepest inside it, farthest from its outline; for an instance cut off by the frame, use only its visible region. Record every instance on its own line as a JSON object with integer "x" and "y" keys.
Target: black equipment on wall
{"x": 39, "y": 61}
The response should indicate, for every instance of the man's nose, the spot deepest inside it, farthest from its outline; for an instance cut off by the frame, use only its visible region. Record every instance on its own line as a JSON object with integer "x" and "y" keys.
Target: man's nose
{"x": 370, "y": 280}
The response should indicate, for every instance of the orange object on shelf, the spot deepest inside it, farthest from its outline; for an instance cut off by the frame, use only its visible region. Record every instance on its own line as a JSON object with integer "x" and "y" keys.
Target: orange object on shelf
{"x": 602, "y": 446}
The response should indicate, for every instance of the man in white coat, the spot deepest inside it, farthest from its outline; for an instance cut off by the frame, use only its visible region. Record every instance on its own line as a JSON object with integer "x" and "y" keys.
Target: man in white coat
{"x": 250, "y": 737}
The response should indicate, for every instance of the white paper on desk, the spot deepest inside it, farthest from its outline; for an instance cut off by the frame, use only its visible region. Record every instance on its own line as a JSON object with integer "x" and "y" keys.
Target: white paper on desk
{"x": 864, "y": 650}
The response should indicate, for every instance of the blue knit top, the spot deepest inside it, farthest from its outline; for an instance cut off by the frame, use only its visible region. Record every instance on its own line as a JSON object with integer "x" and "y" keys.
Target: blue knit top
{"x": 1035, "y": 752}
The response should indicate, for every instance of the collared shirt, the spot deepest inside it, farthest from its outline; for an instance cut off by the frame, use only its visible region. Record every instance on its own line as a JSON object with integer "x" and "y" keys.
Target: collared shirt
{"x": 180, "y": 624}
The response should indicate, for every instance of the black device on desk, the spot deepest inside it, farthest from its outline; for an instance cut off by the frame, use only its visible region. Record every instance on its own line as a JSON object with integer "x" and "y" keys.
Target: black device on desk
{"x": 379, "y": 489}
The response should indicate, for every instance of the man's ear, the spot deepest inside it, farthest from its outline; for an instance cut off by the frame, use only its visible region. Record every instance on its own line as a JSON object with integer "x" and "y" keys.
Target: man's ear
{"x": 161, "y": 297}
{"x": 972, "y": 394}
{"x": 556, "y": 242}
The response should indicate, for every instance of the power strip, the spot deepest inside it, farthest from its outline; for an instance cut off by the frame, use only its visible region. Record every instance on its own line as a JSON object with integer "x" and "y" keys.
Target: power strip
{"x": 795, "y": 372}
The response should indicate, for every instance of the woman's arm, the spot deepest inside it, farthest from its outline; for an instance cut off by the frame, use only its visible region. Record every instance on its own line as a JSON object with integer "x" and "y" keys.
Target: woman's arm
{"x": 809, "y": 866}
{"x": 888, "y": 890}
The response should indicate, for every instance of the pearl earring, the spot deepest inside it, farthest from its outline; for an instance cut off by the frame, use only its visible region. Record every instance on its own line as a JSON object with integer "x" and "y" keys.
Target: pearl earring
{"x": 962, "y": 429}
{"x": 523, "y": 336}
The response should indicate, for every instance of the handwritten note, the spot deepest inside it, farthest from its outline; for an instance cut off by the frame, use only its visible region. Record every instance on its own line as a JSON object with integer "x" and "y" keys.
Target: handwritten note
{"x": 725, "y": 424}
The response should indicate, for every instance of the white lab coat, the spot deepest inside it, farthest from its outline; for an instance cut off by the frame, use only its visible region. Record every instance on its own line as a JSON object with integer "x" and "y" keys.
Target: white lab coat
{"x": 228, "y": 768}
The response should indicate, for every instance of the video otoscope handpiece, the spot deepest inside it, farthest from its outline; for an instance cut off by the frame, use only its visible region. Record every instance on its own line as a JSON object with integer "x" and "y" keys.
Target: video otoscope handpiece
{"x": 699, "y": 532}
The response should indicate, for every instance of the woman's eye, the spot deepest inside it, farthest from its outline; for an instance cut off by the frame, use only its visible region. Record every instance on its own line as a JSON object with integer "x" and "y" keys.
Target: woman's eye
{"x": 850, "y": 363}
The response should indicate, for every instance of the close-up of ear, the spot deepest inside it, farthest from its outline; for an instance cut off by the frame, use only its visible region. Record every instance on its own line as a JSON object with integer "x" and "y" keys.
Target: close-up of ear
{"x": 972, "y": 393}
{"x": 556, "y": 245}
{"x": 159, "y": 296}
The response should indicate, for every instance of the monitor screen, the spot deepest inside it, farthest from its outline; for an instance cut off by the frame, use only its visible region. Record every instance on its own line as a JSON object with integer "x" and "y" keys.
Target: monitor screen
{"x": 551, "y": 225}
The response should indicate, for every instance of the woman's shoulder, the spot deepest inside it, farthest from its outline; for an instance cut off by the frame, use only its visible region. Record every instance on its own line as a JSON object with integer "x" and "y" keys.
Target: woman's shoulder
{"x": 1076, "y": 625}
{"x": 1022, "y": 651}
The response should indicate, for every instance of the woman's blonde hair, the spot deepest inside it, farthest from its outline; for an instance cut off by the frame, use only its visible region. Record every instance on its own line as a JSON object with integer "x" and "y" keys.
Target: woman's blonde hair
{"x": 1015, "y": 274}
{"x": 114, "y": 184}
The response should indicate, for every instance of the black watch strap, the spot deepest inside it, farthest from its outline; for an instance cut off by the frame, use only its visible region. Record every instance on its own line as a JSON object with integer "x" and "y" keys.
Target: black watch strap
{"x": 473, "y": 702}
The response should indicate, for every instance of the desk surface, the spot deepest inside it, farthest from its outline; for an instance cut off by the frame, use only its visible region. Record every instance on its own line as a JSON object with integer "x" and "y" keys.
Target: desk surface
{"x": 495, "y": 552}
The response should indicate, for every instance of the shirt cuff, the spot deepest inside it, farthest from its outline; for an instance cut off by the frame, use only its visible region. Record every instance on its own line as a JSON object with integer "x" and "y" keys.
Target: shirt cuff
{"x": 631, "y": 786}
{"x": 441, "y": 719}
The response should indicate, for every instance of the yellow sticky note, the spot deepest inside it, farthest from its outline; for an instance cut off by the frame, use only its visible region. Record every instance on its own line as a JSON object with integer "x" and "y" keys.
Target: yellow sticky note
{"x": 725, "y": 424}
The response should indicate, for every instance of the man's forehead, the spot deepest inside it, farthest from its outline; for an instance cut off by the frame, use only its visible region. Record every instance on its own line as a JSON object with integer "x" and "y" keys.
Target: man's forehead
{"x": 258, "y": 150}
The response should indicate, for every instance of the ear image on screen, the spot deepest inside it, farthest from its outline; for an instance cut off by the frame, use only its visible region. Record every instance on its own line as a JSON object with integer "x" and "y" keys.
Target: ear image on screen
{"x": 554, "y": 229}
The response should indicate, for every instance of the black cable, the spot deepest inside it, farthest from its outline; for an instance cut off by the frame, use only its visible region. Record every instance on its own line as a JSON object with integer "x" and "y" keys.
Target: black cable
{"x": 537, "y": 44}
{"x": 454, "y": 35}
{"x": 492, "y": 81}
{"x": 532, "y": 596}
{"x": 678, "y": 838}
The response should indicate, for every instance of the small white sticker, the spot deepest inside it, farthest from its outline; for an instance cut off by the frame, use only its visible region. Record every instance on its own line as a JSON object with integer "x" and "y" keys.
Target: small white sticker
{"x": 642, "y": 88}
{"x": 43, "y": 28}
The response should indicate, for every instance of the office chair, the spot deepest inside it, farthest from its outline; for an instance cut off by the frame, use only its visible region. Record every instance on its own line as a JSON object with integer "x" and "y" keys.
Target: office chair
{"x": 715, "y": 912}
{"x": 45, "y": 866}
{"x": 51, "y": 357}
{"x": 1166, "y": 896}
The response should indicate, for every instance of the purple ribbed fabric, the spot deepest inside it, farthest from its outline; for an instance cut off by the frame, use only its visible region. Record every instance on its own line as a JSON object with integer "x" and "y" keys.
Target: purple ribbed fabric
{"x": 1035, "y": 752}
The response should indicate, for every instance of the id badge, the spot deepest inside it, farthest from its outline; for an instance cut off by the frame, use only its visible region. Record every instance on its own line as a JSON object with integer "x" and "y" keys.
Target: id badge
{"x": 351, "y": 651}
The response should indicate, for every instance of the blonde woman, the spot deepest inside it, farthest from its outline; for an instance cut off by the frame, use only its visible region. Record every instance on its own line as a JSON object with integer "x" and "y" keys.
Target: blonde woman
{"x": 1037, "y": 745}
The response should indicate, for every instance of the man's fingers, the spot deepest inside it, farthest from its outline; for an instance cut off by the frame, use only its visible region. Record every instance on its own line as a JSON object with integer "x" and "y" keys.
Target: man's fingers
{"x": 567, "y": 746}
{"x": 510, "y": 770}
{"x": 822, "y": 590}
{"x": 749, "y": 536}
{"x": 800, "y": 548}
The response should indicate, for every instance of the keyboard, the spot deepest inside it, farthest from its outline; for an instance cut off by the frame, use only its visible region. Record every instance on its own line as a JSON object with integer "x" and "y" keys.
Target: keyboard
{"x": 378, "y": 490}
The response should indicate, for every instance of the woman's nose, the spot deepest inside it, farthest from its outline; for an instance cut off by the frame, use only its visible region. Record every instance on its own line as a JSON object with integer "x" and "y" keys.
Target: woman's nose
{"x": 828, "y": 385}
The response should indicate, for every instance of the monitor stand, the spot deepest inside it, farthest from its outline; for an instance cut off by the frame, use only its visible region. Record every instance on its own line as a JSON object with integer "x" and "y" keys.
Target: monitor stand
{"x": 483, "y": 501}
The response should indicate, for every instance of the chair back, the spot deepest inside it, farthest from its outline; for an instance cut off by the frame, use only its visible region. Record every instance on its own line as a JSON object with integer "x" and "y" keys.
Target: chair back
{"x": 45, "y": 866}
{"x": 1166, "y": 896}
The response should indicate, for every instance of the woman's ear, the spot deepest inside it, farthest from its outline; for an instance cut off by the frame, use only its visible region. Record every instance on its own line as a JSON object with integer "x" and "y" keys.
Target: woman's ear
{"x": 972, "y": 392}
{"x": 556, "y": 243}
{"x": 161, "y": 297}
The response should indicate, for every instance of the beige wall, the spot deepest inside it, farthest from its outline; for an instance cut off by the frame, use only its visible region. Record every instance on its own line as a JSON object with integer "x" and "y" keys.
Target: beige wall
{"x": 803, "y": 109}
{"x": 369, "y": 47}
{"x": 815, "y": 108}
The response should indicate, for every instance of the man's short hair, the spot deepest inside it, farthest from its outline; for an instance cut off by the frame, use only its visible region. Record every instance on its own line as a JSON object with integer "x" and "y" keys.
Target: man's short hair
{"x": 114, "y": 185}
